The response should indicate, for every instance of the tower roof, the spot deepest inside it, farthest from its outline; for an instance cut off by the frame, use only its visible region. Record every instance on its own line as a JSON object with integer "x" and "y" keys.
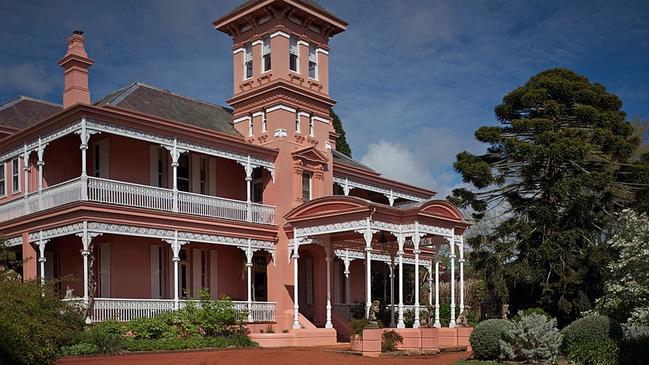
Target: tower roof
{"x": 310, "y": 7}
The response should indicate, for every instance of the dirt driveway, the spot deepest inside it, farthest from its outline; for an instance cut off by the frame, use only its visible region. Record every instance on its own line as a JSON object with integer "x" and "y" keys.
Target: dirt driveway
{"x": 283, "y": 356}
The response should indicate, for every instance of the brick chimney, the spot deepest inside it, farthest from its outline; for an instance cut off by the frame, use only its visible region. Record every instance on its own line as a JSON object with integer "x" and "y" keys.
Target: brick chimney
{"x": 75, "y": 65}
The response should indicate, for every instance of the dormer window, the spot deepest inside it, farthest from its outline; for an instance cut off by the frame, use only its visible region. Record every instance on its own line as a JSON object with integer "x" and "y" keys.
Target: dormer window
{"x": 265, "y": 55}
{"x": 247, "y": 66}
{"x": 294, "y": 57}
{"x": 313, "y": 63}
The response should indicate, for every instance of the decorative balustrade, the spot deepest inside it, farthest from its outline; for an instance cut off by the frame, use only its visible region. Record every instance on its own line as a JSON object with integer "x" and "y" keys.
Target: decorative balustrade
{"x": 105, "y": 309}
{"x": 346, "y": 310}
{"x": 136, "y": 195}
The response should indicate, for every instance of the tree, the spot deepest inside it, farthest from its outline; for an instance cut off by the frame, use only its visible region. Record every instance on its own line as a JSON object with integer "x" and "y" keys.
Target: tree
{"x": 341, "y": 144}
{"x": 626, "y": 292}
{"x": 552, "y": 173}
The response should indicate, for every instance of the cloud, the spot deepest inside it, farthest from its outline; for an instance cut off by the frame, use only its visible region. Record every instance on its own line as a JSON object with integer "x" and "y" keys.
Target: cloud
{"x": 27, "y": 78}
{"x": 397, "y": 162}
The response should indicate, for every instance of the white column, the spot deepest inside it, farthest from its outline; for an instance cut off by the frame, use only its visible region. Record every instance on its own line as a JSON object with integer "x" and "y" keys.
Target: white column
{"x": 249, "y": 254}
{"x": 346, "y": 188}
{"x": 40, "y": 163}
{"x": 41, "y": 258}
{"x": 175, "y": 152}
{"x": 368, "y": 233}
{"x": 391, "y": 264}
{"x": 176, "y": 245}
{"x": 437, "y": 322}
{"x": 348, "y": 292}
{"x": 86, "y": 240}
{"x": 296, "y": 306}
{"x": 461, "y": 249}
{"x": 328, "y": 324}
{"x": 248, "y": 168}
{"x": 452, "y": 256}
{"x": 430, "y": 286}
{"x": 401, "y": 240}
{"x": 26, "y": 154}
{"x": 416, "y": 239}
{"x": 84, "y": 134}
{"x": 391, "y": 198}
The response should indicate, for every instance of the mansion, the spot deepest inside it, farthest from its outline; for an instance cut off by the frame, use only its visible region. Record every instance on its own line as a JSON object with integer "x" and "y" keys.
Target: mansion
{"x": 136, "y": 201}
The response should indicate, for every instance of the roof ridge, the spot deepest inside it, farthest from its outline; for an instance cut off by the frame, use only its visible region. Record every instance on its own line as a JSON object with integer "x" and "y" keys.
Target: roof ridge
{"x": 20, "y": 98}
{"x": 181, "y": 96}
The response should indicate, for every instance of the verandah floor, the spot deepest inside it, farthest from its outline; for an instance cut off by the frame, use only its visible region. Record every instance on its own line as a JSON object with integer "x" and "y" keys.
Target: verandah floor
{"x": 281, "y": 356}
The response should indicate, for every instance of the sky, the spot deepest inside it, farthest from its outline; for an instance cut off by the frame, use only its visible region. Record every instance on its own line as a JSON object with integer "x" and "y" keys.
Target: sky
{"x": 413, "y": 79}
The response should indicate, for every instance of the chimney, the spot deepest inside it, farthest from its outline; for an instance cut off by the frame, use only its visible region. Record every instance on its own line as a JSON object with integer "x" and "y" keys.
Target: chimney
{"x": 75, "y": 65}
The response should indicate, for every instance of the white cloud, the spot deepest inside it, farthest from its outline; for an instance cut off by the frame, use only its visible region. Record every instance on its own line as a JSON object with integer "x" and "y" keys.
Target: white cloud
{"x": 397, "y": 162}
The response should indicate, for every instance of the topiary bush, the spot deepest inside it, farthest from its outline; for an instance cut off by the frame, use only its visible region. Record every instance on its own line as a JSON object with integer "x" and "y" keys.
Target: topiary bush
{"x": 590, "y": 329}
{"x": 532, "y": 338}
{"x": 389, "y": 340}
{"x": 486, "y": 336}
{"x": 595, "y": 353}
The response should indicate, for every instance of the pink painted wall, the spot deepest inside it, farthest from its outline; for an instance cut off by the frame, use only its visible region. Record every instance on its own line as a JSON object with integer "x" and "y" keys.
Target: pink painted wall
{"x": 59, "y": 169}
{"x": 357, "y": 281}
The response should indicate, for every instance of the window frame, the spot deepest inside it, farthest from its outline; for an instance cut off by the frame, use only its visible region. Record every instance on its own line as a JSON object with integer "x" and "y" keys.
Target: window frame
{"x": 15, "y": 176}
{"x": 247, "y": 61}
{"x": 293, "y": 45}
{"x": 307, "y": 176}
{"x": 3, "y": 180}
{"x": 266, "y": 63}
{"x": 189, "y": 174}
{"x": 313, "y": 62}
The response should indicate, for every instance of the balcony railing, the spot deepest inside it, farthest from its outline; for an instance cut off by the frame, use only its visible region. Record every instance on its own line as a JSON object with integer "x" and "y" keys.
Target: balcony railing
{"x": 105, "y": 309}
{"x": 346, "y": 310}
{"x": 140, "y": 196}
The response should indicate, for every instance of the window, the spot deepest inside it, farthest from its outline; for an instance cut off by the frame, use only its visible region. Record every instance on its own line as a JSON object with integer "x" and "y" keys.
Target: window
{"x": 313, "y": 63}
{"x": 100, "y": 159}
{"x": 247, "y": 66}
{"x": 15, "y": 187}
{"x": 250, "y": 127}
{"x": 204, "y": 267}
{"x": 306, "y": 187}
{"x": 203, "y": 175}
{"x": 265, "y": 54}
{"x": 257, "y": 186}
{"x": 96, "y": 161}
{"x": 297, "y": 122}
{"x": 158, "y": 166}
{"x": 294, "y": 57}
{"x": 311, "y": 128}
{"x": 264, "y": 125}
{"x": 3, "y": 187}
{"x": 183, "y": 172}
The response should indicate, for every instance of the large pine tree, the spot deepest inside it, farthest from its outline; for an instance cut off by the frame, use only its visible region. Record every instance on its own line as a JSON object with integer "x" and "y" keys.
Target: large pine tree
{"x": 553, "y": 175}
{"x": 341, "y": 144}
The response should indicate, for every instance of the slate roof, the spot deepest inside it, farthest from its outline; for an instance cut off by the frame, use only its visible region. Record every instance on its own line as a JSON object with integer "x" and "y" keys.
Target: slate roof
{"x": 343, "y": 159}
{"x": 165, "y": 104}
{"x": 23, "y": 112}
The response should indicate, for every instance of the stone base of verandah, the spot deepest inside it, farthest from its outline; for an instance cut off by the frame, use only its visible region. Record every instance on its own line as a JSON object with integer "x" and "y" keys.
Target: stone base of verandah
{"x": 414, "y": 339}
{"x": 302, "y": 337}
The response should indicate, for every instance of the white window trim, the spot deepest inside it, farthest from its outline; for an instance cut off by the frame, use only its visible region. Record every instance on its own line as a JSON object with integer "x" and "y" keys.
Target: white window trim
{"x": 311, "y": 127}
{"x": 16, "y": 172}
{"x": 244, "y": 63}
{"x": 4, "y": 178}
{"x": 250, "y": 128}
{"x": 317, "y": 62}
{"x": 264, "y": 123}
{"x": 297, "y": 63}
{"x": 263, "y": 60}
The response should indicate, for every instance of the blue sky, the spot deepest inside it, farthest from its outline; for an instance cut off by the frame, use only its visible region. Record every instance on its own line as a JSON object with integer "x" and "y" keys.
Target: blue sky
{"x": 413, "y": 79}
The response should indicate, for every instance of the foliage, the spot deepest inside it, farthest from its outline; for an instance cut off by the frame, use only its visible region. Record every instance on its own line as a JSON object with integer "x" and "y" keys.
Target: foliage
{"x": 357, "y": 326}
{"x": 389, "y": 341}
{"x": 80, "y": 349}
{"x": 104, "y": 338}
{"x": 634, "y": 349}
{"x": 590, "y": 329}
{"x": 533, "y": 338}
{"x": 595, "y": 353}
{"x": 486, "y": 336}
{"x": 160, "y": 326}
{"x": 34, "y": 323}
{"x": 341, "y": 143}
{"x": 626, "y": 291}
{"x": 195, "y": 342}
{"x": 528, "y": 311}
{"x": 554, "y": 171}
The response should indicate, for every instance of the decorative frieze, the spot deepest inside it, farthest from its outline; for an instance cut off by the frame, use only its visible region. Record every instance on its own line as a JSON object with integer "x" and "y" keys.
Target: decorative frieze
{"x": 347, "y": 184}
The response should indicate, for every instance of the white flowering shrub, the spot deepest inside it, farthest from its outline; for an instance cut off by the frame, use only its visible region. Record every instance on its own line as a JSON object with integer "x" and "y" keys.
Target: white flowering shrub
{"x": 626, "y": 292}
{"x": 533, "y": 338}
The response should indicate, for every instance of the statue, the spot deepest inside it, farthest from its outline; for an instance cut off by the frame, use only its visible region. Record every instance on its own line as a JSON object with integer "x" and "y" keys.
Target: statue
{"x": 374, "y": 310}
{"x": 69, "y": 293}
{"x": 505, "y": 310}
{"x": 463, "y": 318}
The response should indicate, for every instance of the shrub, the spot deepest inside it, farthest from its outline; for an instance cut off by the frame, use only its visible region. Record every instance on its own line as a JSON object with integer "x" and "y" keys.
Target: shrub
{"x": 486, "y": 336}
{"x": 529, "y": 311}
{"x": 534, "y": 338}
{"x": 33, "y": 326}
{"x": 389, "y": 340}
{"x": 634, "y": 350}
{"x": 80, "y": 349}
{"x": 195, "y": 342}
{"x": 357, "y": 326}
{"x": 152, "y": 327}
{"x": 590, "y": 329}
{"x": 595, "y": 353}
{"x": 105, "y": 338}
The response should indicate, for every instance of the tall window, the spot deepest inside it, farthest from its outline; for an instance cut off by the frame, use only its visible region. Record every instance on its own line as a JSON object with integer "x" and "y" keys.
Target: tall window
{"x": 183, "y": 172}
{"x": 265, "y": 54}
{"x": 14, "y": 176}
{"x": 257, "y": 186}
{"x": 294, "y": 57}
{"x": 306, "y": 187}
{"x": 250, "y": 125}
{"x": 247, "y": 66}
{"x": 3, "y": 188}
{"x": 313, "y": 63}
{"x": 160, "y": 167}
{"x": 311, "y": 128}
{"x": 204, "y": 267}
{"x": 264, "y": 125}
{"x": 204, "y": 175}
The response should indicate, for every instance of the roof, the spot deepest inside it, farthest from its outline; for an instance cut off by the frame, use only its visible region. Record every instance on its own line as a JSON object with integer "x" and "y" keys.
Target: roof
{"x": 343, "y": 159}
{"x": 151, "y": 100}
{"x": 23, "y": 112}
{"x": 310, "y": 3}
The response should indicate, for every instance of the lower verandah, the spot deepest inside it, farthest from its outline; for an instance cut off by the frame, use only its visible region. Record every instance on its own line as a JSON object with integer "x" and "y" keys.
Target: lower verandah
{"x": 138, "y": 273}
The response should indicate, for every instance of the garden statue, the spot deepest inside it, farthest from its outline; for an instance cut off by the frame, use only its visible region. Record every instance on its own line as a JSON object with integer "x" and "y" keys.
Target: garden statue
{"x": 463, "y": 318}
{"x": 69, "y": 293}
{"x": 374, "y": 310}
{"x": 505, "y": 310}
